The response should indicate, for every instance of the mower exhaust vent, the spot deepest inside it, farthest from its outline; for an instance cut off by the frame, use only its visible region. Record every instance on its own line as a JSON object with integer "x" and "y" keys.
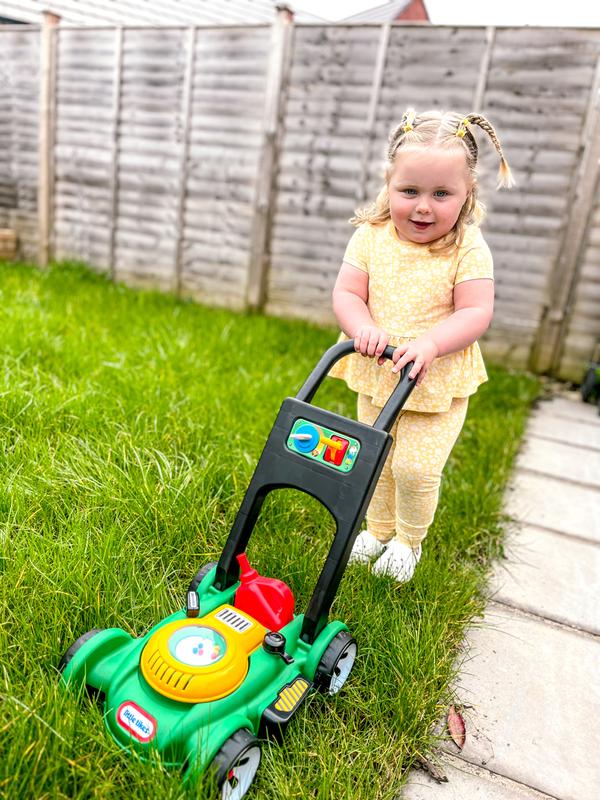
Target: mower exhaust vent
{"x": 233, "y": 620}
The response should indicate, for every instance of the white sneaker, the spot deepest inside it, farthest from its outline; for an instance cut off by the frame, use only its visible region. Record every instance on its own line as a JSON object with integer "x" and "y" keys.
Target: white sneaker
{"x": 366, "y": 547}
{"x": 398, "y": 561}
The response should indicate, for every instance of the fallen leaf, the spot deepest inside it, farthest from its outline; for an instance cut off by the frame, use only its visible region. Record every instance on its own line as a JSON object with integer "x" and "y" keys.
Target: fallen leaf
{"x": 436, "y": 772}
{"x": 456, "y": 726}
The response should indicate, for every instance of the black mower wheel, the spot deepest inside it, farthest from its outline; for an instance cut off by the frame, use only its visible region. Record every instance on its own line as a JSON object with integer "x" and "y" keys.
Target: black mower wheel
{"x": 236, "y": 763}
{"x": 588, "y": 387}
{"x": 200, "y": 575}
{"x": 77, "y": 645}
{"x": 336, "y": 664}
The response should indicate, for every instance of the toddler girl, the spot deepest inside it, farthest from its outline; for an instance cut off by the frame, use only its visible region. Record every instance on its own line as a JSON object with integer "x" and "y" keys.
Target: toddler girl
{"x": 417, "y": 274}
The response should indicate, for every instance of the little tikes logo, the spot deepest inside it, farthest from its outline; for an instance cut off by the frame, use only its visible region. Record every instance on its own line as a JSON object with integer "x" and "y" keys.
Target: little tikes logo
{"x": 135, "y": 720}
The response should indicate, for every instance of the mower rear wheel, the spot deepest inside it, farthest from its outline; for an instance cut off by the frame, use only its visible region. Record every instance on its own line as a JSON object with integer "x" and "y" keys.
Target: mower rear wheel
{"x": 236, "y": 764}
{"x": 200, "y": 575}
{"x": 77, "y": 645}
{"x": 336, "y": 664}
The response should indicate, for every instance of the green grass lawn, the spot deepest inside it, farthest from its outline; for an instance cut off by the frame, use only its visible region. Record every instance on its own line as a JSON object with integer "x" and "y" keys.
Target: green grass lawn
{"x": 130, "y": 426}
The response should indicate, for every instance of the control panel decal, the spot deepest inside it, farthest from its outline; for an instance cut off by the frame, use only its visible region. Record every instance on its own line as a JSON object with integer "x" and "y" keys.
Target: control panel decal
{"x": 318, "y": 443}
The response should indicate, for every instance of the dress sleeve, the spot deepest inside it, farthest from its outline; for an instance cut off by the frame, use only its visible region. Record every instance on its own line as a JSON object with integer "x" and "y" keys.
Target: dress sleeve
{"x": 357, "y": 250}
{"x": 475, "y": 262}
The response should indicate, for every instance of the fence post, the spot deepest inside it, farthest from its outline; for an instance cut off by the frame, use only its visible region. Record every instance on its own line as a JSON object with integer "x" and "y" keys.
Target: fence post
{"x": 370, "y": 125}
{"x": 114, "y": 161}
{"x": 186, "y": 114}
{"x": 546, "y": 349}
{"x": 484, "y": 69}
{"x": 264, "y": 194}
{"x": 46, "y": 135}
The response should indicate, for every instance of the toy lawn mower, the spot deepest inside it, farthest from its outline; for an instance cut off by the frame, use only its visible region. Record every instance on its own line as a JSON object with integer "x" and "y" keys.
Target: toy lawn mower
{"x": 203, "y": 685}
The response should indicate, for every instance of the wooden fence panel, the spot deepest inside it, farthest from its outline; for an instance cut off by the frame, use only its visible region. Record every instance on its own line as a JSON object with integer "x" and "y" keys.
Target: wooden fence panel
{"x": 83, "y": 155}
{"x": 575, "y": 331}
{"x": 225, "y": 138}
{"x": 8, "y": 188}
{"x": 149, "y": 151}
{"x": 582, "y": 335}
{"x": 322, "y": 143}
{"x": 19, "y": 100}
{"x": 537, "y": 92}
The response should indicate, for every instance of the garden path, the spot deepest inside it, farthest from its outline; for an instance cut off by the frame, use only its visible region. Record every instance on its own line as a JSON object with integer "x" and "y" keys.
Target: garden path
{"x": 530, "y": 683}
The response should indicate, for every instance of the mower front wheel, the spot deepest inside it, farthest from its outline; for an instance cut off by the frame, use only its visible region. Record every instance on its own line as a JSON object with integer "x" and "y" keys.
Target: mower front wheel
{"x": 77, "y": 645}
{"x": 336, "y": 664}
{"x": 236, "y": 763}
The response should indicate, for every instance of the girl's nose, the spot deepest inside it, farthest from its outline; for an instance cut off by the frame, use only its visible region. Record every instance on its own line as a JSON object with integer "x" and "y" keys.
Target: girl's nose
{"x": 423, "y": 205}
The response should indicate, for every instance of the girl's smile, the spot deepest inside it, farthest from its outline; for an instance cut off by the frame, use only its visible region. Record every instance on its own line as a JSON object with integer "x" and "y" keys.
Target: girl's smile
{"x": 427, "y": 188}
{"x": 421, "y": 226}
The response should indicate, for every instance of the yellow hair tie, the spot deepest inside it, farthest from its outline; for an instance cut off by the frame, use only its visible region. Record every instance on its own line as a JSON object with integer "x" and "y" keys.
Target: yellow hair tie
{"x": 462, "y": 128}
{"x": 407, "y": 120}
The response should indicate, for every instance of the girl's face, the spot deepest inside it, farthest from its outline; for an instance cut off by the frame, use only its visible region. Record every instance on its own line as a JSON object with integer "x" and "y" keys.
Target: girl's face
{"x": 428, "y": 187}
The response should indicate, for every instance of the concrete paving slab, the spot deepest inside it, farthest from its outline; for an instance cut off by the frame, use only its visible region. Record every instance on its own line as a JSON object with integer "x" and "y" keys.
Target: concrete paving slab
{"x": 466, "y": 782}
{"x": 560, "y": 460}
{"x": 571, "y": 407}
{"x": 569, "y": 431}
{"x": 551, "y": 575}
{"x": 535, "y": 696}
{"x": 554, "y": 504}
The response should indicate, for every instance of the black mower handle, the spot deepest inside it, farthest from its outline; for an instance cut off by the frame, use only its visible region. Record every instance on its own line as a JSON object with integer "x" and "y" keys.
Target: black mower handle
{"x": 398, "y": 397}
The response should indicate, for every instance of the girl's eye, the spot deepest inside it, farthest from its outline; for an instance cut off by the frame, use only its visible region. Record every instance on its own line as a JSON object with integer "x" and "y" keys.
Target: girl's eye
{"x": 441, "y": 193}
{"x": 409, "y": 191}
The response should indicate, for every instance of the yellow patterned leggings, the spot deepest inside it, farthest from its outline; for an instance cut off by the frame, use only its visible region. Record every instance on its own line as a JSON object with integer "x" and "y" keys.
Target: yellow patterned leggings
{"x": 406, "y": 497}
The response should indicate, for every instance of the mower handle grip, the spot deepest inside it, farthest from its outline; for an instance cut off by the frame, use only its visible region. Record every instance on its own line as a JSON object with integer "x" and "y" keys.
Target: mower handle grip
{"x": 398, "y": 397}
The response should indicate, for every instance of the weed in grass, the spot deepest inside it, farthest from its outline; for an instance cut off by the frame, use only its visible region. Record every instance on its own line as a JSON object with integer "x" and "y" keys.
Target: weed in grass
{"x": 130, "y": 424}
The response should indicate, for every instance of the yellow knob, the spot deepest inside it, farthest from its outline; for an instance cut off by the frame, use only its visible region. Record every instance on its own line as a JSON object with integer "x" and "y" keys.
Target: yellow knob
{"x": 331, "y": 443}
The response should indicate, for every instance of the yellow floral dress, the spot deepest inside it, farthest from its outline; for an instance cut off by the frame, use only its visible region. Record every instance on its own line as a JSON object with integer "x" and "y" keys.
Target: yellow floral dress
{"x": 410, "y": 291}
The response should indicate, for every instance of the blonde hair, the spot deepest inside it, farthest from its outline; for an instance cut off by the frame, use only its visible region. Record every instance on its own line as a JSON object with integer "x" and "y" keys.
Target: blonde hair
{"x": 447, "y": 129}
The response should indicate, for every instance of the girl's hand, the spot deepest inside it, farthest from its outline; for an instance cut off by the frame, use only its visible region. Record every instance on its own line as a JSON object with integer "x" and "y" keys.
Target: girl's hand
{"x": 422, "y": 351}
{"x": 370, "y": 340}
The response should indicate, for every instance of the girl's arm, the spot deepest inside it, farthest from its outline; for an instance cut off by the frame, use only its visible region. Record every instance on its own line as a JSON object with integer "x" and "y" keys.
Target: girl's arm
{"x": 473, "y": 309}
{"x": 350, "y": 295}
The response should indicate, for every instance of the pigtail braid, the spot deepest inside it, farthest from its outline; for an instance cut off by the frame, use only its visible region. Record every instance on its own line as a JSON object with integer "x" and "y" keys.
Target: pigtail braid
{"x": 505, "y": 177}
